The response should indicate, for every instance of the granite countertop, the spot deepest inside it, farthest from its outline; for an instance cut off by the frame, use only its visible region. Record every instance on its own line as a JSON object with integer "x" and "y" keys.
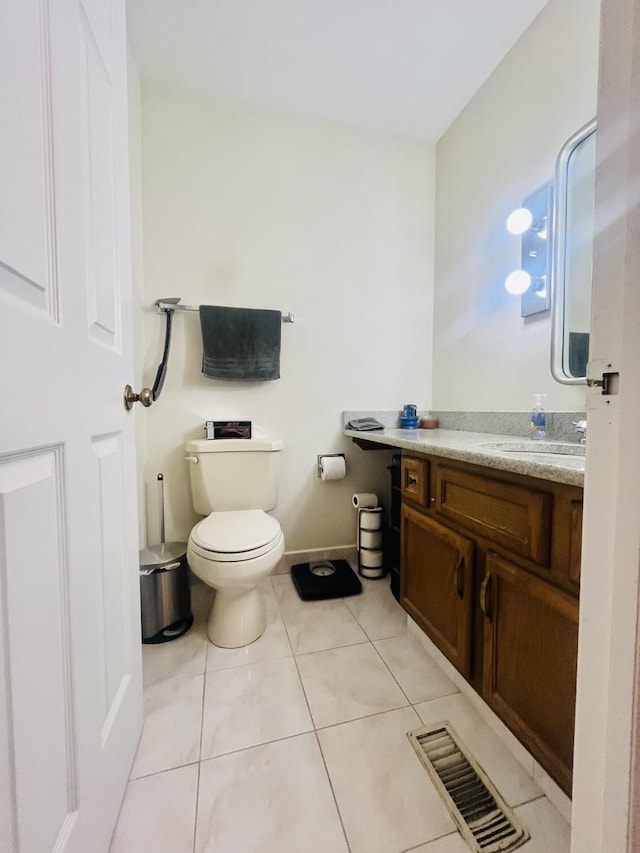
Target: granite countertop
{"x": 504, "y": 452}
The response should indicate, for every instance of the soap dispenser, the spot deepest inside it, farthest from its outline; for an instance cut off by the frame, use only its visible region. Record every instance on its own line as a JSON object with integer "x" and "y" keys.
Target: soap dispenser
{"x": 538, "y": 426}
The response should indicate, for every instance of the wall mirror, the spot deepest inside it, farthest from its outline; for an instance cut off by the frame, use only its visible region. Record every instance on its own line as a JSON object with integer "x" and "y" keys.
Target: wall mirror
{"x": 573, "y": 212}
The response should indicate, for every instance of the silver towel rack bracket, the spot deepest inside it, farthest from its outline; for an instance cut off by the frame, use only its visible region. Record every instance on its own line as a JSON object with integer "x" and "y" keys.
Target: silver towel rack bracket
{"x": 173, "y": 304}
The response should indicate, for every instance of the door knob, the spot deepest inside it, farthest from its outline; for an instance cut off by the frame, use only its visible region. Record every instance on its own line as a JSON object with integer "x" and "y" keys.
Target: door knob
{"x": 130, "y": 397}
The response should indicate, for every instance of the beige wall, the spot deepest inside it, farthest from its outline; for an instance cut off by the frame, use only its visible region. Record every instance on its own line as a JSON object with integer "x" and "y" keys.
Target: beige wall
{"x": 501, "y": 148}
{"x": 253, "y": 208}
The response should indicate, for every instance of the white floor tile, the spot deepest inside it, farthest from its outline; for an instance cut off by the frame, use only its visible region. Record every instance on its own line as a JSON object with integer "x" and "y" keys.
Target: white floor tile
{"x": 386, "y": 800}
{"x": 548, "y": 830}
{"x": 186, "y": 655}
{"x": 315, "y": 625}
{"x": 432, "y": 650}
{"x": 264, "y": 787}
{"x": 374, "y": 585}
{"x": 415, "y": 671}
{"x": 178, "y": 658}
{"x": 448, "y": 844}
{"x": 347, "y": 683}
{"x": 249, "y": 705}
{"x": 320, "y": 625}
{"x": 550, "y": 833}
{"x": 274, "y": 798}
{"x": 286, "y": 592}
{"x": 172, "y": 722}
{"x": 158, "y": 813}
{"x": 273, "y": 644}
{"x": 512, "y": 782}
{"x": 377, "y": 612}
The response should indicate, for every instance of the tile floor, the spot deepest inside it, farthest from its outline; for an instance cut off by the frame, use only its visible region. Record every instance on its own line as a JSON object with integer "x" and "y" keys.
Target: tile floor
{"x": 296, "y": 743}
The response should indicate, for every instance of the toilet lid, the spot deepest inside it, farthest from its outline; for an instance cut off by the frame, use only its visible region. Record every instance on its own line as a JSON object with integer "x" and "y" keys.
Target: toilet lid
{"x": 236, "y": 532}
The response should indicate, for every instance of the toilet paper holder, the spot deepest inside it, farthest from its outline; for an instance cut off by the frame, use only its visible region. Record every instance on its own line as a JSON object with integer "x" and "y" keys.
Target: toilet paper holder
{"x": 322, "y": 456}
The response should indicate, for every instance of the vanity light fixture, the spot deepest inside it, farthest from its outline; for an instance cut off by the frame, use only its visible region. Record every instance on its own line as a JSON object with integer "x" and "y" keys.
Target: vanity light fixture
{"x": 529, "y": 222}
{"x": 519, "y": 221}
{"x": 517, "y": 282}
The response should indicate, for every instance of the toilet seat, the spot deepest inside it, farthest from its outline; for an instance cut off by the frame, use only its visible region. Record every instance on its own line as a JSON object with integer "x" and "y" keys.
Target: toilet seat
{"x": 236, "y": 536}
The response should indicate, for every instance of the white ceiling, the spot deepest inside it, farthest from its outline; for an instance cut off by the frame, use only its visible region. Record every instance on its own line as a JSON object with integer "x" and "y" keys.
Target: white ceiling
{"x": 404, "y": 66}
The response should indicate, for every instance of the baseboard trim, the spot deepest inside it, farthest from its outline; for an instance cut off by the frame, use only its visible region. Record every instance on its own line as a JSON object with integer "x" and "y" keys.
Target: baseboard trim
{"x": 338, "y": 552}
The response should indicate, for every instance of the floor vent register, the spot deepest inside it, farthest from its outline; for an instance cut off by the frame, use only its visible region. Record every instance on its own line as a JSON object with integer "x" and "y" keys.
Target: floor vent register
{"x": 485, "y": 821}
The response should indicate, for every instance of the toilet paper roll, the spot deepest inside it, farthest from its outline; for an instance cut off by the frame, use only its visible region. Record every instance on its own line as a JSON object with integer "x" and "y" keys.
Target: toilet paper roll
{"x": 371, "y": 559}
{"x": 332, "y": 468}
{"x": 364, "y": 499}
{"x": 371, "y": 539}
{"x": 370, "y": 518}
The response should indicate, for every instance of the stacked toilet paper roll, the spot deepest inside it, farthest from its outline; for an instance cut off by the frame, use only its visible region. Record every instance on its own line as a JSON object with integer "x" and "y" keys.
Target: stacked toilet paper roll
{"x": 370, "y": 551}
{"x": 371, "y": 539}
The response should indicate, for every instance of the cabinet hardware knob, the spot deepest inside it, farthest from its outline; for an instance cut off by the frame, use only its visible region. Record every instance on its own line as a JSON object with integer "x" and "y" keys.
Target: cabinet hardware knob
{"x": 484, "y": 586}
{"x": 411, "y": 479}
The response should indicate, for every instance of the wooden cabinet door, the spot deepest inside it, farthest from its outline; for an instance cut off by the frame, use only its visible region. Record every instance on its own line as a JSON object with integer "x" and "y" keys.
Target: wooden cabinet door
{"x": 437, "y": 584}
{"x": 530, "y": 656}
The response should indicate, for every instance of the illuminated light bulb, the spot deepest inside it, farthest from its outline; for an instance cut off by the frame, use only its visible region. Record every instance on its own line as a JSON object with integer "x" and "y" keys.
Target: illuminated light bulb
{"x": 519, "y": 221}
{"x": 517, "y": 282}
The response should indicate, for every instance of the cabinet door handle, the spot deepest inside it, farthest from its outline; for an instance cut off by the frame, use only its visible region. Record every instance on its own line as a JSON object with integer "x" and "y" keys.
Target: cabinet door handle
{"x": 411, "y": 479}
{"x": 484, "y": 586}
{"x": 458, "y": 578}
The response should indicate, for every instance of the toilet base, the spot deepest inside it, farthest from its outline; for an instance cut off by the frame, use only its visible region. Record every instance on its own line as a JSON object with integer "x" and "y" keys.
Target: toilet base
{"x": 237, "y": 618}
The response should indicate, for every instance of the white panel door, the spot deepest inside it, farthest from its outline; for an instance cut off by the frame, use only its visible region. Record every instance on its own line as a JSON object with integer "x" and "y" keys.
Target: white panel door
{"x": 70, "y": 675}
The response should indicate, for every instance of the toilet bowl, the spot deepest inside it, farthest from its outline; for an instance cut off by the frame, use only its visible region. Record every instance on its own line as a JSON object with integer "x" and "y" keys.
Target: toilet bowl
{"x": 232, "y": 551}
{"x": 234, "y": 484}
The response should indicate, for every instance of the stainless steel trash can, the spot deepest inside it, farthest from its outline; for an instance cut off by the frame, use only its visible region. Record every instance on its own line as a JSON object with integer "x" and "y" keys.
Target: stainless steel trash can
{"x": 165, "y": 597}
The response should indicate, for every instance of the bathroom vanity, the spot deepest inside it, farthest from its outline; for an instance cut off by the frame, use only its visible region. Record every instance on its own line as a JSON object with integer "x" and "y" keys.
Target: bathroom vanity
{"x": 490, "y": 571}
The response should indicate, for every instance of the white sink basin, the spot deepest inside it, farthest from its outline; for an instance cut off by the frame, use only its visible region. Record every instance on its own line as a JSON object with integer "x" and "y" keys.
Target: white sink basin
{"x": 538, "y": 448}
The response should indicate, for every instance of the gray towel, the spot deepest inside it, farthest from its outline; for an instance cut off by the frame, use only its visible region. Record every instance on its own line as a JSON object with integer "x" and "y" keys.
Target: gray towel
{"x": 240, "y": 343}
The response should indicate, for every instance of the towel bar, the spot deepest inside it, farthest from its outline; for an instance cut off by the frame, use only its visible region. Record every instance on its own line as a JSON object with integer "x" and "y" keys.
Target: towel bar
{"x": 164, "y": 305}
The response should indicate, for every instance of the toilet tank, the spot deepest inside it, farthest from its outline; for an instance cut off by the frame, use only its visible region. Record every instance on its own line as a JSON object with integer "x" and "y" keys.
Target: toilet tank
{"x": 233, "y": 473}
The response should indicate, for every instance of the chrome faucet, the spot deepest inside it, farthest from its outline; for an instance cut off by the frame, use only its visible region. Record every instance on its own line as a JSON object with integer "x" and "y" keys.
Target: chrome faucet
{"x": 581, "y": 427}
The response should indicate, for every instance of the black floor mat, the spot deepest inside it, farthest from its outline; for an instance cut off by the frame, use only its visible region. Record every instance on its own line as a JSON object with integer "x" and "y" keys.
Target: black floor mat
{"x": 325, "y": 579}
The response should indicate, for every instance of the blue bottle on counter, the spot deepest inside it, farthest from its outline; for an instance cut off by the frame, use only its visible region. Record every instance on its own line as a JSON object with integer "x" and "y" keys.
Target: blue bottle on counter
{"x": 538, "y": 426}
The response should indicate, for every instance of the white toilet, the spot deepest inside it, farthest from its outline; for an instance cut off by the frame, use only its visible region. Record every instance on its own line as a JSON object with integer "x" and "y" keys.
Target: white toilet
{"x": 233, "y": 482}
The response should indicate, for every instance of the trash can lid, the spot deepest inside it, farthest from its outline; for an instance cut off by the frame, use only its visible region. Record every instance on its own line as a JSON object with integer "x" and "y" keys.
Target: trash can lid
{"x": 158, "y": 556}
